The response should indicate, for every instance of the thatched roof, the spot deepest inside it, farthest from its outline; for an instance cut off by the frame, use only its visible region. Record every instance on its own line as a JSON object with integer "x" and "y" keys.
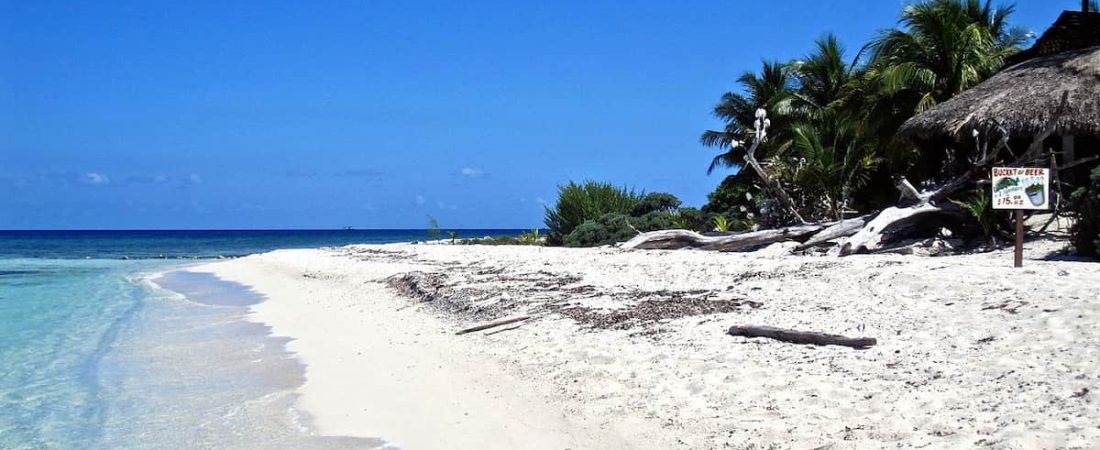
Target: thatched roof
{"x": 1073, "y": 30}
{"x": 1021, "y": 99}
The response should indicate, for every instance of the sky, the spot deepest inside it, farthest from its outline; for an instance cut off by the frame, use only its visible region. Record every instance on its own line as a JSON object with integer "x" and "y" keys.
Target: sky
{"x": 325, "y": 114}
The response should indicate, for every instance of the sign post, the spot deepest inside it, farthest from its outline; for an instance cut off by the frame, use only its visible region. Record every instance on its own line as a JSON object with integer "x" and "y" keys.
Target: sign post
{"x": 1021, "y": 188}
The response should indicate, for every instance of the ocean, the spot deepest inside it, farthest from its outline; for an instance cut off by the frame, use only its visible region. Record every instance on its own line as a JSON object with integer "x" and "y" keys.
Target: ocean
{"x": 103, "y": 345}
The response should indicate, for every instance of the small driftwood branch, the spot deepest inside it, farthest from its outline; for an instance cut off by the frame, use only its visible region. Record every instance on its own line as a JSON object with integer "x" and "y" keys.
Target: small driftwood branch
{"x": 801, "y": 337}
{"x": 494, "y": 324}
{"x": 979, "y": 169}
{"x": 771, "y": 184}
{"x": 674, "y": 239}
{"x": 907, "y": 189}
{"x": 501, "y": 330}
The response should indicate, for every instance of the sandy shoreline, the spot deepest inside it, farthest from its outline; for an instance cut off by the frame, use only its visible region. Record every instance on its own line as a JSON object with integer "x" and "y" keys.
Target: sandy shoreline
{"x": 627, "y": 349}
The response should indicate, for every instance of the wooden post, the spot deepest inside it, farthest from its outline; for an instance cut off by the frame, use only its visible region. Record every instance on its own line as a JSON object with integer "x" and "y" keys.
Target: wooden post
{"x": 1019, "y": 260}
{"x": 1068, "y": 155}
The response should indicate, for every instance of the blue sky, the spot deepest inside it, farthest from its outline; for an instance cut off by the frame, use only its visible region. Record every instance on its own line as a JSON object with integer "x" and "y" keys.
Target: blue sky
{"x": 374, "y": 114}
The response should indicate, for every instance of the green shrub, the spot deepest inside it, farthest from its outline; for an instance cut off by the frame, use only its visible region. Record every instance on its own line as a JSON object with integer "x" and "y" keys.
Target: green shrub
{"x": 1086, "y": 202}
{"x": 653, "y": 221}
{"x": 721, "y": 224}
{"x": 980, "y": 208}
{"x": 655, "y": 202}
{"x": 608, "y": 229}
{"x": 532, "y": 237}
{"x": 692, "y": 219}
{"x": 499, "y": 240}
{"x": 591, "y": 200}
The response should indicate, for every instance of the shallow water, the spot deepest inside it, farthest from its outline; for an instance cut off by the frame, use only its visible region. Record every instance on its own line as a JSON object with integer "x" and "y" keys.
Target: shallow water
{"x": 95, "y": 354}
{"x": 188, "y": 368}
{"x": 57, "y": 319}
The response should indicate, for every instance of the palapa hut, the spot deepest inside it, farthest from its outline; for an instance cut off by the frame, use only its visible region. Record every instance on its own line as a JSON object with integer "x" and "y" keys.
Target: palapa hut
{"x": 1023, "y": 98}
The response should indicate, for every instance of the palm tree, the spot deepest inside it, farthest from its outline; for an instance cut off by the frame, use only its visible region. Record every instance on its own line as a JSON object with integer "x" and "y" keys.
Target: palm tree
{"x": 798, "y": 90}
{"x": 771, "y": 89}
{"x": 834, "y": 161}
{"x": 943, "y": 48}
{"x": 822, "y": 76}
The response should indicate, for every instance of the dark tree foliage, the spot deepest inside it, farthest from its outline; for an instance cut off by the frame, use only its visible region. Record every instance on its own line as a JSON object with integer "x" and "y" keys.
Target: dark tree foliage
{"x": 655, "y": 202}
{"x": 735, "y": 198}
{"x": 1086, "y": 203}
{"x": 694, "y": 219}
{"x": 653, "y": 221}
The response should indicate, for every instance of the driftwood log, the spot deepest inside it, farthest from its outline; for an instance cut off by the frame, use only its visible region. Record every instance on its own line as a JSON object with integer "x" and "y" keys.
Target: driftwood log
{"x": 674, "y": 239}
{"x": 844, "y": 228}
{"x": 494, "y": 324}
{"x": 801, "y": 337}
{"x": 875, "y": 234}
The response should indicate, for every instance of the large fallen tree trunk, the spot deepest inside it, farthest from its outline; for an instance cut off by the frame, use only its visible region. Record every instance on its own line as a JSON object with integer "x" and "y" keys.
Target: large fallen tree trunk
{"x": 844, "y": 228}
{"x": 674, "y": 239}
{"x": 891, "y": 221}
{"x": 801, "y": 337}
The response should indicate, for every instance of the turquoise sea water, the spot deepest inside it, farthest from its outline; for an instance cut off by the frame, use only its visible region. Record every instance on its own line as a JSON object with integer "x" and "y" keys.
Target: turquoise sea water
{"x": 97, "y": 351}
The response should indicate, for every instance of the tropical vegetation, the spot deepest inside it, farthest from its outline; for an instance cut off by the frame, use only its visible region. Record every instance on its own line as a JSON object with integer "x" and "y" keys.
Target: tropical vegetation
{"x": 829, "y": 147}
{"x": 594, "y": 213}
{"x": 833, "y": 114}
{"x": 578, "y": 202}
{"x": 980, "y": 208}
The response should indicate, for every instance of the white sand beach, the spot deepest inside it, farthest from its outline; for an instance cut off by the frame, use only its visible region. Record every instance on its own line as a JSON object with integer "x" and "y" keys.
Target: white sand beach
{"x": 629, "y": 349}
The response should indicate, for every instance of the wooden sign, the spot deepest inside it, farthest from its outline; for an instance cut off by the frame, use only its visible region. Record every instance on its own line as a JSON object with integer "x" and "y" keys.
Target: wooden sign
{"x": 1021, "y": 188}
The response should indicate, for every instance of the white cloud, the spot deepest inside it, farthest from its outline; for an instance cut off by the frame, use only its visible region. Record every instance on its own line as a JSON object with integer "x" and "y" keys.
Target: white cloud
{"x": 472, "y": 172}
{"x": 160, "y": 179}
{"x": 194, "y": 179}
{"x": 540, "y": 201}
{"x": 419, "y": 199}
{"x": 94, "y": 178}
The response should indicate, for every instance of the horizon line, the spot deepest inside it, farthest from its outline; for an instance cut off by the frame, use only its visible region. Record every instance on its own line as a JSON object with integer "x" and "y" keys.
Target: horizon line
{"x": 6, "y": 230}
